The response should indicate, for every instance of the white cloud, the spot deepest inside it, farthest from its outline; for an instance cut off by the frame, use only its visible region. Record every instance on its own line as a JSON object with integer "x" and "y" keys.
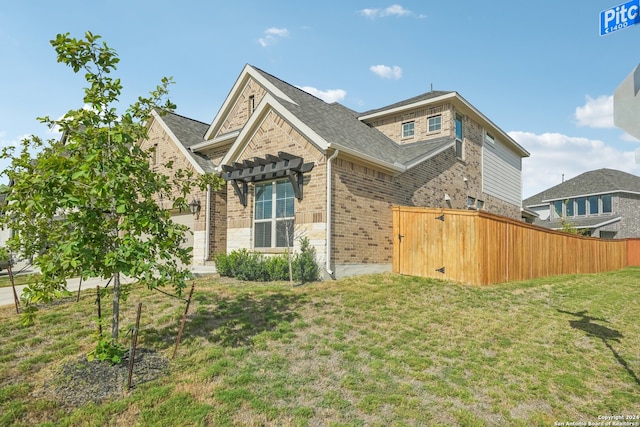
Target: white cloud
{"x": 554, "y": 155}
{"x": 393, "y": 10}
{"x": 330, "y": 95}
{"x": 596, "y": 113}
{"x": 387, "y": 72}
{"x": 272, "y": 35}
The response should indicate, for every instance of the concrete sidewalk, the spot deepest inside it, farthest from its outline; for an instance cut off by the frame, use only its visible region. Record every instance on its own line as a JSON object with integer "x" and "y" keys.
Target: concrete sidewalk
{"x": 6, "y": 293}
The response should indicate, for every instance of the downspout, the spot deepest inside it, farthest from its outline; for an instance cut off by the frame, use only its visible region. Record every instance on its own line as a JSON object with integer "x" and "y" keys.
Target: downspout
{"x": 328, "y": 236}
{"x": 207, "y": 235}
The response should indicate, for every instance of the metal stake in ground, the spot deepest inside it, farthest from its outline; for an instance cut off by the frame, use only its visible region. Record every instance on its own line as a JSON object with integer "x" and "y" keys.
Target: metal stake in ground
{"x": 184, "y": 318}
{"x": 134, "y": 343}
{"x": 16, "y": 300}
{"x": 99, "y": 311}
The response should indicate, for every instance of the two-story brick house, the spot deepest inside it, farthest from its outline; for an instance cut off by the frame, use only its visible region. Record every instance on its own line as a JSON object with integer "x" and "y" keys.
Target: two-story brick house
{"x": 298, "y": 166}
{"x": 601, "y": 203}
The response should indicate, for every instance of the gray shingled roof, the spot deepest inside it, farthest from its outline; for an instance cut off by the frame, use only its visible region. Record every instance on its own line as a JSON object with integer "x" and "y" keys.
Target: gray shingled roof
{"x": 423, "y": 97}
{"x": 189, "y": 132}
{"x": 340, "y": 126}
{"x": 593, "y": 182}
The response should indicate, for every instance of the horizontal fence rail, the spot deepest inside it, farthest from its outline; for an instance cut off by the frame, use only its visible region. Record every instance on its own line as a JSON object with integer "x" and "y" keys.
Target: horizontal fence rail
{"x": 481, "y": 248}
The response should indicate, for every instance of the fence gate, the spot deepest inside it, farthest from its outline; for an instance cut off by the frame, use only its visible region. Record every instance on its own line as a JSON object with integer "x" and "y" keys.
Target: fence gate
{"x": 418, "y": 243}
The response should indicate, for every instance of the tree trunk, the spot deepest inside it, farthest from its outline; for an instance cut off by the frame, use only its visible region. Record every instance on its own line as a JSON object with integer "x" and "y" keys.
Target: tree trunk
{"x": 115, "y": 322}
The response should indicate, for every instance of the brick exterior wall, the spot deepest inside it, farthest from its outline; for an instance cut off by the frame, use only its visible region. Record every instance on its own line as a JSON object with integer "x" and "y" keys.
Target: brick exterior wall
{"x": 274, "y": 135}
{"x": 166, "y": 151}
{"x": 391, "y": 126}
{"x": 241, "y": 110}
{"x": 627, "y": 206}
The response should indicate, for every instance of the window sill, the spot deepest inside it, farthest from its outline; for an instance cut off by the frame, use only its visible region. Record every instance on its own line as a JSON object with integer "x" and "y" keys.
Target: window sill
{"x": 271, "y": 250}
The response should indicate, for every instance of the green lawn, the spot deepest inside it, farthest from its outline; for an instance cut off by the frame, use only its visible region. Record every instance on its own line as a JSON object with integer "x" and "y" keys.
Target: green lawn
{"x": 21, "y": 279}
{"x": 378, "y": 350}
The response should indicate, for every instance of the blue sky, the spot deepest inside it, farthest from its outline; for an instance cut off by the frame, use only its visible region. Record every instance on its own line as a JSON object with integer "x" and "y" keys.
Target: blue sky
{"x": 541, "y": 72}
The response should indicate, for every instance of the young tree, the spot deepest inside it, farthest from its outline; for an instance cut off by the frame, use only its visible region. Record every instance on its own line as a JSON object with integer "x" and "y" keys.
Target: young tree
{"x": 86, "y": 205}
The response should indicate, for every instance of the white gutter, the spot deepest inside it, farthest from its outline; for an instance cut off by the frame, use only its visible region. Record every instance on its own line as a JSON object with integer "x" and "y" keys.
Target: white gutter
{"x": 208, "y": 226}
{"x": 328, "y": 236}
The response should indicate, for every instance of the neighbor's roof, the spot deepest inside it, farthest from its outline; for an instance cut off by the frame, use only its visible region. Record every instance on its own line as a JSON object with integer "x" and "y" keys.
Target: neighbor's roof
{"x": 579, "y": 223}
{"x": 189, "y": 132}
{"x": 601, "y": 181}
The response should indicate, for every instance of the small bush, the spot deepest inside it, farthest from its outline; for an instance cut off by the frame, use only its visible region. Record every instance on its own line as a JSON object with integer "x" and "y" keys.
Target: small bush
{"x": 305, "y": 267}
{"x": 245, "y": 265}
{"x": 107, "y": 350}
{"x": 277, "y": 267}
{"x": 222, "y": 265}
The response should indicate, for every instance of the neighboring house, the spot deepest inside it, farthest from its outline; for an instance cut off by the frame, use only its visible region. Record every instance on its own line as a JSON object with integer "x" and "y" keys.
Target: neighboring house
{"x": 298, "y": 166}
{"x": 601, "y": 203}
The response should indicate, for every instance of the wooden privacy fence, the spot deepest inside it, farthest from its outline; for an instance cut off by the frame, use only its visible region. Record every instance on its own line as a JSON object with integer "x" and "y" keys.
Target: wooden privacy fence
{"x": 481, "y": 248}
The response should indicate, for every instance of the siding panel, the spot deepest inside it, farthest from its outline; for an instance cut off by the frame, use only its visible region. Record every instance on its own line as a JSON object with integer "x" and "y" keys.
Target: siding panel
{"x": 502, "y": 173}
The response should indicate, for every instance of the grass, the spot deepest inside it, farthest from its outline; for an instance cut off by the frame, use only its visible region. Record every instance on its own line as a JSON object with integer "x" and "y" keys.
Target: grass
{"x": 20, "y": 279}
{"x": 378, "y": 350}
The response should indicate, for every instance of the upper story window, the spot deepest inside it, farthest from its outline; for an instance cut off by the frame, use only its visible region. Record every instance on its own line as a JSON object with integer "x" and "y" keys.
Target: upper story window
{"x": 606, "y": 203}
{"x": 408, "y": 129}
{"x": 434, "y": 123}
{"x": 459, "y": 138}
{"x": 274, "y": 215}
{"x": 459, "y": 127}
{"x": 580, "y": 206}
{"x": 593, "y": 205}
{"x": 489, "y": 139}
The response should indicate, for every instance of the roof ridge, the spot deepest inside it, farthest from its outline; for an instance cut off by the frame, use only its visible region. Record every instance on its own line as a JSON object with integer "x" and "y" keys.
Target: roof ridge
{"x": 182, "y": 116}
{"x": 290, "y": 85}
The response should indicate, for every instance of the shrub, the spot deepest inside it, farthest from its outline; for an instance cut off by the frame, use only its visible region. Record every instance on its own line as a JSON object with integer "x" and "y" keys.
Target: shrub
{"x": 305, "y": 268}
{"x": 223, "y": 265}
{"x": 277, "y": 267}
{"x": 245, "y": 265}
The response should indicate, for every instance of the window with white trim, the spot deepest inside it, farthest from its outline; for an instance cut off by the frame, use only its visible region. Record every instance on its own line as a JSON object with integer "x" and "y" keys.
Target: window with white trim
{"x": 434, "y": 123}
{"x": 408, "y": 129}
{"x": 274, "y": 214}
{"x": 459, "y": 138}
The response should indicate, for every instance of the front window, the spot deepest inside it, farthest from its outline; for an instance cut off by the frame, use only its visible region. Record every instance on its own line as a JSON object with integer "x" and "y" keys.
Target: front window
{"x": 408, "y": 129}
{"x": 435, "y": 123}
{"x": 274, "y": 213}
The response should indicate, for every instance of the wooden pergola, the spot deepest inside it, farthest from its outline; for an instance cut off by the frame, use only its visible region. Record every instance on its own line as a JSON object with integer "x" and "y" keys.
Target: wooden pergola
{"x": 267, "y": 168}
